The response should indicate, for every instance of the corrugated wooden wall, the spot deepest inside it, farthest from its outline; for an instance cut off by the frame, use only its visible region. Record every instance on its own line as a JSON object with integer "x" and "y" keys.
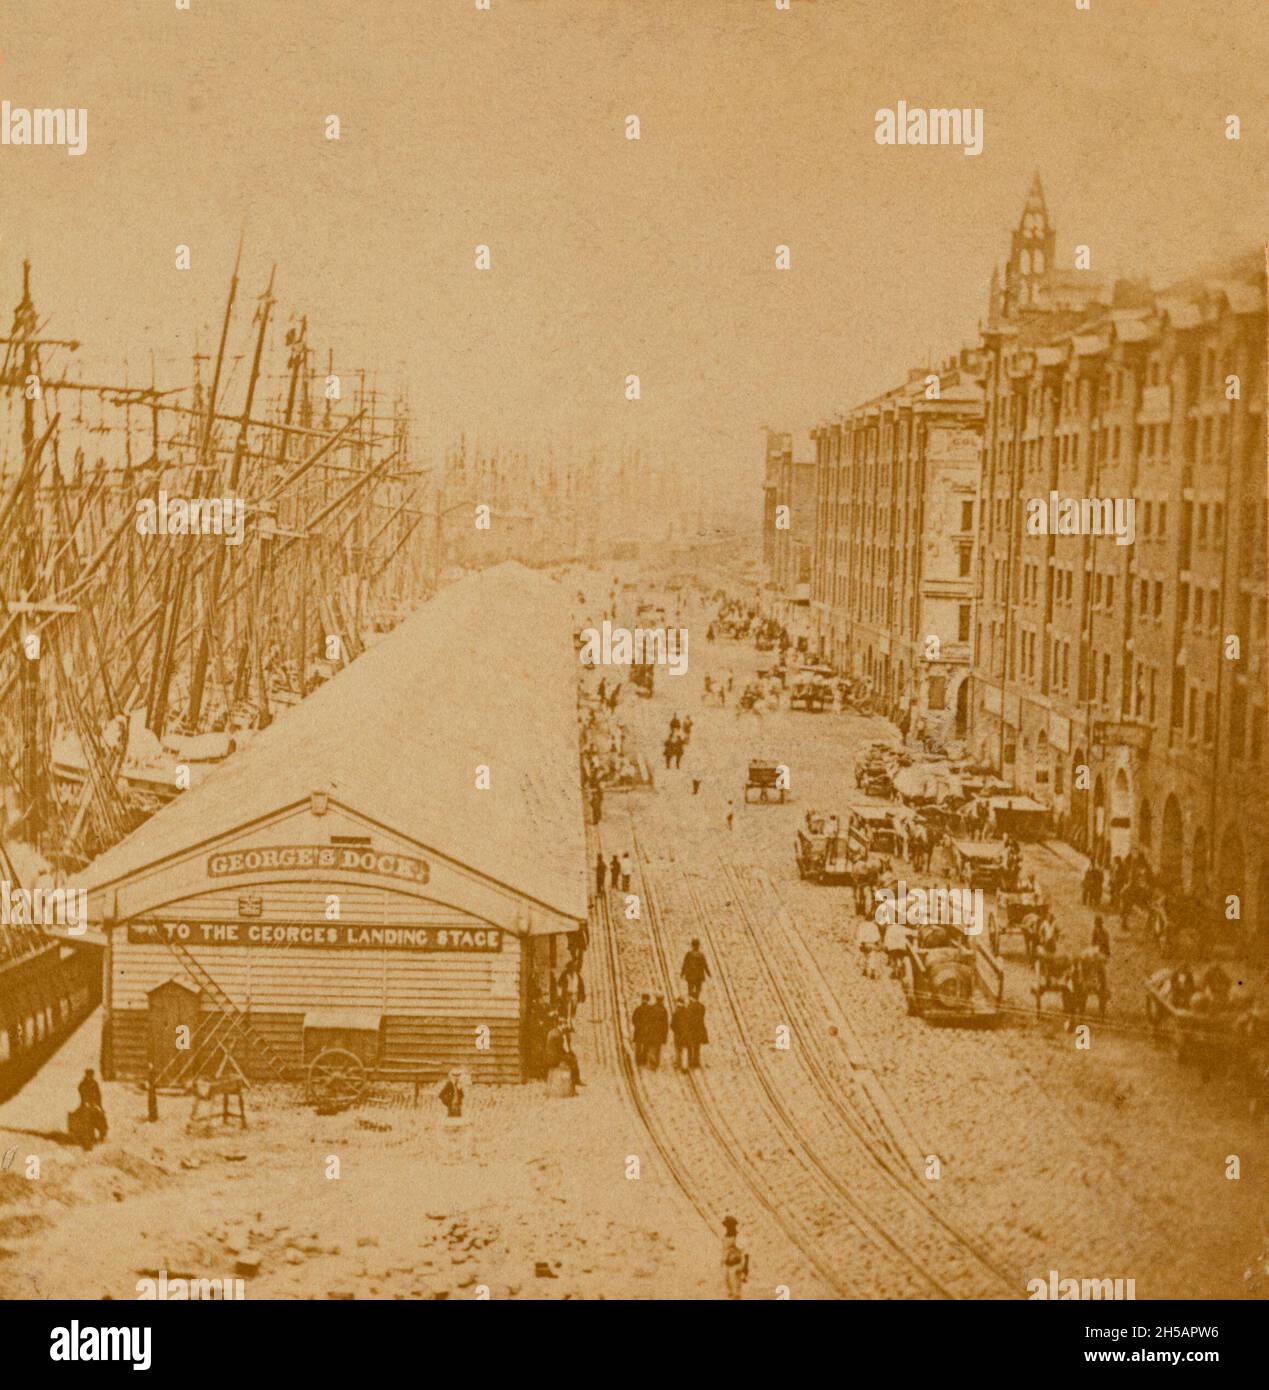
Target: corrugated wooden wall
{"x": 439, "y": 1008}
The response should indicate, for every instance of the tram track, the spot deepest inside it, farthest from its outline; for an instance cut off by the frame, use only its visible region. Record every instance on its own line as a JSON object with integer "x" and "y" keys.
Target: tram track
{"x": 698, "y": 1174}
{"x": 800, "y": 1229}
{"x": 883, "y": 1148}
{"x": 893, "y": 1236}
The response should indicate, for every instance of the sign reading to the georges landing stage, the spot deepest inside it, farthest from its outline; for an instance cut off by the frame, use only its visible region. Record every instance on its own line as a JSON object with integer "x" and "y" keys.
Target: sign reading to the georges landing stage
{"x": 329, "y": 935}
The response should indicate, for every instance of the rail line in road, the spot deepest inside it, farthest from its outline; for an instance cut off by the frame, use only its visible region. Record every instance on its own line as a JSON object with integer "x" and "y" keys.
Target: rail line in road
{"x": 907, "y": 1251}
{"x": 873, "y": 1131}
{"x": 694, "y": 1148}
{"x": 803, "y": 1227}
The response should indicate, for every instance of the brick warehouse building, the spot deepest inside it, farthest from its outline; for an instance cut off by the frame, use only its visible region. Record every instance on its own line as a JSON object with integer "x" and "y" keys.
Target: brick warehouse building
{"x": 1081, "y": 653}
{"x": 1089, "y": 654}
{"x": 892, "y": 573}
{"x": 788, "y": 528}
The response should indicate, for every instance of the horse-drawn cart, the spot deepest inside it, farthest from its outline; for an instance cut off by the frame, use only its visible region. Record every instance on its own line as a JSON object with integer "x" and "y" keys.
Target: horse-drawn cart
{"x": 879, "y": 828}
{"x": 1205, "y": 1023}
{"x": 950, "y": 979}
{"x": 766, "y": 781}
{"x": 811, "y": 693}
{"x": 979, "y": 863}
{"x": 824, "y": 855}
{"x": 1018, "y": 912}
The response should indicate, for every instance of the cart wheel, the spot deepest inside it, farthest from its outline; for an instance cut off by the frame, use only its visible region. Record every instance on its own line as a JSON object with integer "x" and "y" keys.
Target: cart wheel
{"x": 336, "y": 1079}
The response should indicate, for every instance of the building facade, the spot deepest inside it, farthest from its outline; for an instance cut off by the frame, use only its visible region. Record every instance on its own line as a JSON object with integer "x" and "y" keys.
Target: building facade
{"x": 893, "y": 559}
{"x": 788, "y": 535}
{"x": 1078, "y": 516}
{"x": 1120, "y": 678}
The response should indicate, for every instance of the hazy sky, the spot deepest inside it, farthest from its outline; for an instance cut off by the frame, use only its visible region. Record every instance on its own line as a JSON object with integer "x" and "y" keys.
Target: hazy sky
{"x": 612, "y": 256}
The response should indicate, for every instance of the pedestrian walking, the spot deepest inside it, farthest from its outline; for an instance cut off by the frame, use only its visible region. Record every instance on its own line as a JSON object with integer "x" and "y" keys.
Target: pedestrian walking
{"x": 668, "y": 750}
{"x": 640, "y": 1030}
{"x": 572, "y": 991}
{"x": 601, "y": 871}
{"x": 559, "y": 1050}
{"x": 731, "y": 812}
{"x": 695, "y": 969}
{"x": 687, "y": 728}
{"x": 696, "y": 1034}
{"x": 614, "y": 874}
{"x": 678, "y": 752}
{"x": 696, "y": 785}
{"x": 1101, "y": 937}
{"x": 625, "y": 872}
{"x": 869, "y": 941}
{"x": 680, "y": 1028}
{"x": 658, "y": 1031}
{"x": 90, "y": 1100}
{"x": 896, "y": 947}
{"x": 735, "y": 1260}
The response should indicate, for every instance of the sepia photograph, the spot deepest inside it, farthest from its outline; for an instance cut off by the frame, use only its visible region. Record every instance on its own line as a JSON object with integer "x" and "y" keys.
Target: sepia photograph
{"x": 633, "y": 665}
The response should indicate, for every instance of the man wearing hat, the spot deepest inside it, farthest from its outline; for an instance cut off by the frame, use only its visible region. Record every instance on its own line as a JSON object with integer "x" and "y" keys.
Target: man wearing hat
{"x": 452, "y": 1094}
{"x": 735, "y": 1261}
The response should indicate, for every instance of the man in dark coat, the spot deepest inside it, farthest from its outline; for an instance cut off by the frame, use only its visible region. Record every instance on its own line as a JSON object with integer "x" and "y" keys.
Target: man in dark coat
{"x": 601, "y": 870}
{"x": 658, "y": 1031}
{"x": 680, "y": 1027}
{"x": 640, "y": 1021}
{"x": 614, "y": 873}
{"x": 90, "y": 1099}
{"x": 696, "y": 1034}
{"x": 695, "y": 969}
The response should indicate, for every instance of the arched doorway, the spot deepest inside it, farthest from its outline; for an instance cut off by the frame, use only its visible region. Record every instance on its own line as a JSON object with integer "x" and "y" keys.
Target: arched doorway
{"x": 1172, "y": 846}
{"x": 962, "y": 709}
{"x": 1120, "y": 830}
{"x": 1145, "y": 830}
{"x": 1231, "y": 872}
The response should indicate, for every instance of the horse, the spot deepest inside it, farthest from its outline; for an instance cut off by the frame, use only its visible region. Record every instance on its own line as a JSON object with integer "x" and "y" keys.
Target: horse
{"x": 1052, "y": 976}
{"x": 1089, "y": 976}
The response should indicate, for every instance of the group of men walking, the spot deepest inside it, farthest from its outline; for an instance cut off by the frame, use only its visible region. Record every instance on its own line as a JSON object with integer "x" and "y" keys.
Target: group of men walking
{"x": 652, "y": 1024}
{"x": 616, "y": 873}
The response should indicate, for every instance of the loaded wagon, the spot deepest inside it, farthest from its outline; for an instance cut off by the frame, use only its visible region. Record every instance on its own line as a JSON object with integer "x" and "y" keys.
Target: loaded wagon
{"x": 825, "y": 858}
{"x": 979, "y": 863}
{"x": 1209, "y": 1025}
{"x": 811, "y": 693}
{"x": 950, "y": 979}
{"x": 765, "y": 781}
{"x": 878, "y": 829}
{"x": 1016, "y": 912}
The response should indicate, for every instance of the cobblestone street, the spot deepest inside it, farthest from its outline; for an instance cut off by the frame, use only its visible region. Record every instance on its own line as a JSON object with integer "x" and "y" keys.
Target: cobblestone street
{"x": 1095, "y": 1162}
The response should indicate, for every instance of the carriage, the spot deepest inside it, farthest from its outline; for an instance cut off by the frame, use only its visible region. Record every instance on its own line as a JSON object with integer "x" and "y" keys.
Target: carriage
{"x": 980, "y": 863}
{"x": 949, "y": 979}
{"x": 825, "y": 857}
{"x": 878, "y": 829}
{"x": 811, "y": 693}
{"x": 765, "y": 780}
{"x": 1011, "y": 912}
{"x": 1212, "y": 1027}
